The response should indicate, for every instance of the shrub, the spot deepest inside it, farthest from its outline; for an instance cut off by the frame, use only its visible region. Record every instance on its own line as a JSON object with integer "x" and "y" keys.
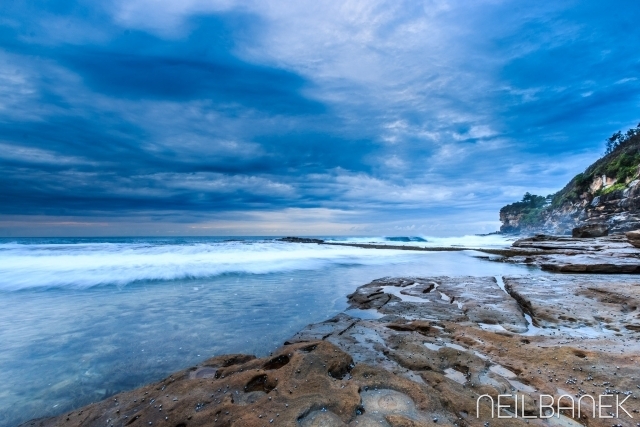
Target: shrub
{"x": 615, "y": 187}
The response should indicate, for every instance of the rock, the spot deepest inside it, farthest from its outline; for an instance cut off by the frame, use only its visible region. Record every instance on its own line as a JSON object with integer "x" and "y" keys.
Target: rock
{"x": 244, "y": 391}
{"x": 485, "y": 345}
{"x": 600, "y": 255}
{"x": 440, "y": 344}
{"x": 590, "y": 230}
{"x": 300, "y": 240}
{"x": 633, "y": 237}
{"x": 434, "y": 299}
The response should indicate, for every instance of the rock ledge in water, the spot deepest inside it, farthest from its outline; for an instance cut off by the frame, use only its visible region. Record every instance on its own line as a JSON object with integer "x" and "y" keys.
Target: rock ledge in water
{"x": 600, "y": 255}
{"x": 300, "y": 240}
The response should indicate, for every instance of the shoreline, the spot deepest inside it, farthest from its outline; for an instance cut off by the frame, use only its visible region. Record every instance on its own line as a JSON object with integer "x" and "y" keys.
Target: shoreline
{"x": 434, "y": 341}
{"x": 398, "y": 247}
{"x": 558, "y": 254}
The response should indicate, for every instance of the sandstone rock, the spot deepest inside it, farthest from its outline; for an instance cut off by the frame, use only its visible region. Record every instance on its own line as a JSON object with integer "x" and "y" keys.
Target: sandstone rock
{"x": 240, "y": 391}
{"x": 590, "y": 230}
{"x": 634, "y": 237}
{"x": 610, "y": 255}
{"x": 464, "y": 351}
{"x": 439, "y": 345}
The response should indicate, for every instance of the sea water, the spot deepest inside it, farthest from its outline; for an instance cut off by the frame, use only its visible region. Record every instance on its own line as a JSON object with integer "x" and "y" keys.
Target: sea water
{"x": 82, "y": 319}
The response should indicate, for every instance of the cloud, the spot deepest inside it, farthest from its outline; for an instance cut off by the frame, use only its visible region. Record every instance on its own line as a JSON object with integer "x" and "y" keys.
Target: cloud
{"x": 14, "y": 153}
{"x": 380, "y": 115}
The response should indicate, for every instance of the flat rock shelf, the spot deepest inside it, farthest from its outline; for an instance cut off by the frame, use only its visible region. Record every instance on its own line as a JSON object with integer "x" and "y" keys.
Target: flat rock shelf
{"x": 561, "y": 254}
{"x": 416, "y": 351}
{"x": 616, "y": 254}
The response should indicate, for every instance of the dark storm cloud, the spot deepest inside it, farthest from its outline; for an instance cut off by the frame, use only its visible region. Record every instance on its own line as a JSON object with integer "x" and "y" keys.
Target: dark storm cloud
{"x": 137, "y": 65}
{"x": 397, "y": 113}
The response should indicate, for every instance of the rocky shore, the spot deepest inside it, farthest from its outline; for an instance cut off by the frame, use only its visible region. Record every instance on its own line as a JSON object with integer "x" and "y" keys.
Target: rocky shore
{"x": 615, "y": 254}
{"x": 420, "y": 351}
{"x": 603, "y": 255}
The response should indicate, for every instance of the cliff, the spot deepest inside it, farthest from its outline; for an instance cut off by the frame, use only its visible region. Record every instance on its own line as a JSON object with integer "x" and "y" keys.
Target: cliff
{"x": 607, "y": 192}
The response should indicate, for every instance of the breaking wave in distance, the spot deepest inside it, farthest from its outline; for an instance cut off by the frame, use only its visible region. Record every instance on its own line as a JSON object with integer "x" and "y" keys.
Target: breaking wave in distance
{"x": 83, "y": 265}
{"x": 470, "y": 241}
{"x": 68, "y": 263}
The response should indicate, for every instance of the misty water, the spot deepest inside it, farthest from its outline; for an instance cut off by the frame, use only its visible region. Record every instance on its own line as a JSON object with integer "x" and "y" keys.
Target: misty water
{"x": 83, "y": 319}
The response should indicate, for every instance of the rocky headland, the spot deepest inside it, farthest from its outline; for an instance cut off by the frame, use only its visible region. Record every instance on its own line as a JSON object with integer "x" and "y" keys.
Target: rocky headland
{"x": 607, "y": 193}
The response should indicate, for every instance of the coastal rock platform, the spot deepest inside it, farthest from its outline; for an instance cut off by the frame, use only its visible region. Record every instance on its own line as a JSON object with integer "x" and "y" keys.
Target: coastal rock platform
{"x": 602, "y": 255}
{"x": 419, "y": 351}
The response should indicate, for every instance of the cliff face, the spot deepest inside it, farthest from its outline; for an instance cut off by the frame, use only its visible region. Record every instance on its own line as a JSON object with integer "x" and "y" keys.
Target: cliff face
{"x": 619, "y": 210}
{"x": 607, "y": 192}
{"x": 522, "y": 215}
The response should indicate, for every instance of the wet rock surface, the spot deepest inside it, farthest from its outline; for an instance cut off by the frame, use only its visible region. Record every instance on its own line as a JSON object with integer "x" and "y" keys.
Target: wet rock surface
{"x": 236, "y": 390}
{"x": 607, "y": 255}
{"x": 300, "y": 240}
{"x": 555, "y": 335}
{"x": 436, "y": 345}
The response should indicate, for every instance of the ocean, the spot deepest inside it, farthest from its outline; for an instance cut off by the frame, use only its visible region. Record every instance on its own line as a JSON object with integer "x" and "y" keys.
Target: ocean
{"x": 83, "y": 319}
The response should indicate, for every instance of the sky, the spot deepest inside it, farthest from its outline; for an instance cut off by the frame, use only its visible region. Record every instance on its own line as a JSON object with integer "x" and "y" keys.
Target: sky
{"x": 224, "y": 117}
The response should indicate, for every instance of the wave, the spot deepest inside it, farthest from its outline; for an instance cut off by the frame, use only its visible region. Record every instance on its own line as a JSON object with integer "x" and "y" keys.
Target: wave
{"x": 84, "y": 265}
{"x": 469, "y": 241}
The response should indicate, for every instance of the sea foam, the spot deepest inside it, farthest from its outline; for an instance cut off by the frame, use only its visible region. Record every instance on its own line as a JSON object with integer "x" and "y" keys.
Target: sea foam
{"x": 68, "y": 263}
{"x": 469, "y": 241}
{"x": 85, "y": 265}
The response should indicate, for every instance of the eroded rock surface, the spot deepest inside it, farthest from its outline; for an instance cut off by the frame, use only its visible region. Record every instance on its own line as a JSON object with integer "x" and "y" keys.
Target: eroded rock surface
{"x": 459, "y": 338}
{"x": 236, "y": 390}
{"x": 436, "y": 346}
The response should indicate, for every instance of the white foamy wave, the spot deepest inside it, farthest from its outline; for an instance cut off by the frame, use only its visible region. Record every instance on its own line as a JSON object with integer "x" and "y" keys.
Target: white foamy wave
{"x": 472, "y": 241}
{"x": 469, "y": 241}
{"x": 83, "y": 265}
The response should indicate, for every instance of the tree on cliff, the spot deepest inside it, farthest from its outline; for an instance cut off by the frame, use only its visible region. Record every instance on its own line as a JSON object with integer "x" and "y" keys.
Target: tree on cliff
{"x": 619, "y": 139}
{"x": 533, "y": 201}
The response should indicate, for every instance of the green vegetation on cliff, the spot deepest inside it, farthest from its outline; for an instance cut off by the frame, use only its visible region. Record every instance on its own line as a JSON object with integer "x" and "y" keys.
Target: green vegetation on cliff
{"x": 530, "y": 207}
{"x": 620, "y": 162}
